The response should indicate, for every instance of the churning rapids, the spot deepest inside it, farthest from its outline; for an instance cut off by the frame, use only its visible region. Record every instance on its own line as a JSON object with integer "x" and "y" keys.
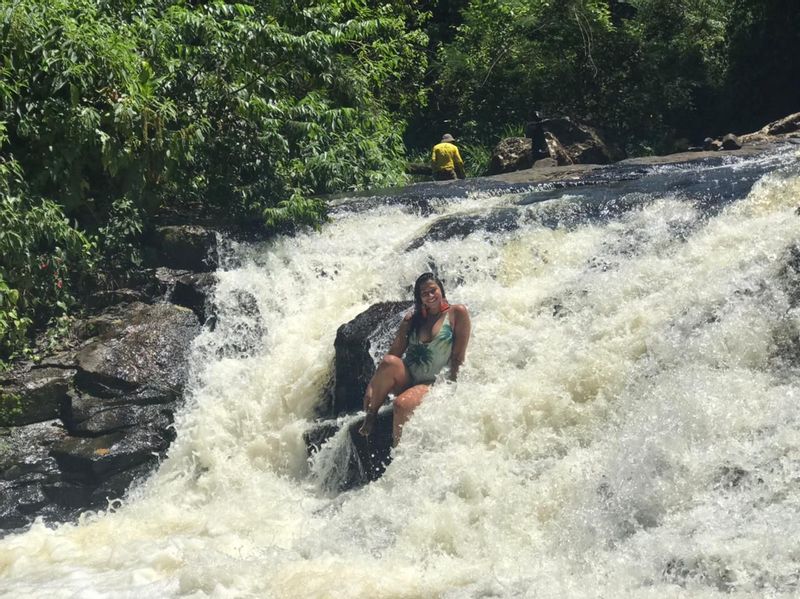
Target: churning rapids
{"x": 627, "y": 423}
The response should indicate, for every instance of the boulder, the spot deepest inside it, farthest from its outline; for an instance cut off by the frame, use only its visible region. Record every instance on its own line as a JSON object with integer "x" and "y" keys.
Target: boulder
{"x": 564, "y": 140}
{"x": 359, "y": 460}
{"x": 359, "y": 344}
{"x": 87, "y": 415}
{"x": 581, "y": 142}
{"x": 731, "y": 142}
{"x": 147, "y": 346}
{"x": 557, "y": 151}
{"x": 511, "y": 154}
{"x": 194, "y": 291}
{"x": 34, "y": 396}
{"x": 115, "y": 397}
{"x": 788, "y": 124}
{"x": 461, "y": 225}
{"x": 111, "y": 297}
{"x": 187, "y": 247}
{"x": 93, "y": 459}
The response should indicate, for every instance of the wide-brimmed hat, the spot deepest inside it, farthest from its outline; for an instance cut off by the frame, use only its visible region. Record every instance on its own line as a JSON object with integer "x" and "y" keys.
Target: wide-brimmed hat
{"x": 448, "y": 137}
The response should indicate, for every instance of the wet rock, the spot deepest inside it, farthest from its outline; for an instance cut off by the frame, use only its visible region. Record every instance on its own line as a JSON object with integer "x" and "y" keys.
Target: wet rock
{"x": 194, "y": 291}
{"x": 117, "y": 414}
{"x": 26, "y": 467}
{"x": 711, "y": 571}
{"x": 731, "y": 142}
{"x": 100, "y": 325}
{"x": 459, "y": 226}
{"x": 148, "y": 347}
{"x": 373, "y": 452}
{"x": 93, "y": 459}
{"x": 359, "y": 344}
{"x": 318, "y": 434}
{"x": 188, "y": 247}
{"x": 68, "y": 498}
{"x": 111, "y": 297}
{"x": 789, "y": 273}
{"x": 34, "y": 396}
{"x": 364, "y": 460}
{"x": 87, "y": 415}
{"x": 731, "y": 477}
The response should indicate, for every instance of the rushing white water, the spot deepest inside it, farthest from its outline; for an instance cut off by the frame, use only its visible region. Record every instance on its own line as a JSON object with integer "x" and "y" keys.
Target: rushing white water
{"x": 626, "y": 424}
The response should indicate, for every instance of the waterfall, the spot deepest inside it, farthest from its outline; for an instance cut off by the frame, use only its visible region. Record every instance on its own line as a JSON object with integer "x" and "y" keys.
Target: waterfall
{"x": 626, "y": 424}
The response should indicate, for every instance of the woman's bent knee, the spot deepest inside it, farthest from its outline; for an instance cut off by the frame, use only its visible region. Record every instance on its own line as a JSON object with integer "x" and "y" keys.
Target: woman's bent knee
{"x": 390, "y": 361}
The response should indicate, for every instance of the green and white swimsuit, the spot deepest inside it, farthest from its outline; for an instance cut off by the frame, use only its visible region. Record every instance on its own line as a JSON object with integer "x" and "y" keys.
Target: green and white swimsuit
{"x": 425, "y": 360}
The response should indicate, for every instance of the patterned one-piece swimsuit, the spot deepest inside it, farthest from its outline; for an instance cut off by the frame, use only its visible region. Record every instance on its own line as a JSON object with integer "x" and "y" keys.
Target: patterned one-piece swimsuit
{"x": 425, "y": 360}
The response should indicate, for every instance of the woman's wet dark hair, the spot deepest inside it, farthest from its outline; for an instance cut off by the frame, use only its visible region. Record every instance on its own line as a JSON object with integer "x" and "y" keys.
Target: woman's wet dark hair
{"x": 416, "y": 320}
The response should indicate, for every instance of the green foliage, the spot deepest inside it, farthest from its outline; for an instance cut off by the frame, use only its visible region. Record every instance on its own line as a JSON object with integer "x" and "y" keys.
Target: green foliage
{"x": 242, "y": 106}
{"x": 13, "y": 325}
{"x": 476, "y": 158}
{"x": 10, "y": 408}
{"x": 118, "y": 238}
{"x": 112, "y": 111}
{"x": 43, "y": 259}
{"x": 646, "y": 72}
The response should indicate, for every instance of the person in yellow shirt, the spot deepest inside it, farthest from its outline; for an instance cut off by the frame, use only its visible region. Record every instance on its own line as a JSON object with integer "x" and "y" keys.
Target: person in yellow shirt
{"x": 447, "y": 163}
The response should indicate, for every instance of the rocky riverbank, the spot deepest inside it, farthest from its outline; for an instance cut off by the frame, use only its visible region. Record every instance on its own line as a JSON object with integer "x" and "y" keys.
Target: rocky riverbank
{"x": 79, "y": 426}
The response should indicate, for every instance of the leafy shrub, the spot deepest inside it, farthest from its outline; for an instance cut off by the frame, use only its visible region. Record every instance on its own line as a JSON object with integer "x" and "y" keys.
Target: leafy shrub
{"x": 43, "y": 260}
{"x": 243, "y": 109}
{"x": 476, "y": 158}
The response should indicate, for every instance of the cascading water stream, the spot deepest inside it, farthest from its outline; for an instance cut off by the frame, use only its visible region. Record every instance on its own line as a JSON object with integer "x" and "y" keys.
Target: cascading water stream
{"x": 626, "y": 425}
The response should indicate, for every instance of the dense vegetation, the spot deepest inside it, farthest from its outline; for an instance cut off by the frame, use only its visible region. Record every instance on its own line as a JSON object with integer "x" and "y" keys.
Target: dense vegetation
{"x": 115, "y": 111}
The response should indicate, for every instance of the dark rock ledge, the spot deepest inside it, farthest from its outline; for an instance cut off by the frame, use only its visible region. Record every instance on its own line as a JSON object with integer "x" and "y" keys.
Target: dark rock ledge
{"x": 77, "y": 428}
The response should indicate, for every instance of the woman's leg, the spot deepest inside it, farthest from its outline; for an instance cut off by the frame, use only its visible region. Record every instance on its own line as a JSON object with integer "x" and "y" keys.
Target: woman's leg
{"x": 390, "y": 377}
{"x": 404, "y": 405}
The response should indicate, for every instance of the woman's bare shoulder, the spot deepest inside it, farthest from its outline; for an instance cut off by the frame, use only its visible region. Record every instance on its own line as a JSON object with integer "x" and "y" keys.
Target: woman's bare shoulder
{"x": 459, "y": 308}
{"x": 460, "y": 311}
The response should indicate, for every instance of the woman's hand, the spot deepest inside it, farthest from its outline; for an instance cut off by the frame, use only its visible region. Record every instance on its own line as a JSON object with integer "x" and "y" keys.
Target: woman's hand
{"x": 369, "y": 424}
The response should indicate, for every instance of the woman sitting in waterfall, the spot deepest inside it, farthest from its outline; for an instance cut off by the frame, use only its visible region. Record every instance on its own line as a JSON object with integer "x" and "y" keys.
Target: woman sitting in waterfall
{"x": 433, "y": 336}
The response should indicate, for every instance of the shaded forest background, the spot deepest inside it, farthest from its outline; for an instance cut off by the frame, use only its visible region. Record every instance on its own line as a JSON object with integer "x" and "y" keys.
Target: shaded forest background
{"x": 115, "y": 113}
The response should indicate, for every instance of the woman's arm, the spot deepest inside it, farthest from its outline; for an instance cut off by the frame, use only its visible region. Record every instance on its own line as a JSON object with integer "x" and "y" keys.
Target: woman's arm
{"x": 461, "y": 330}
{"x": 400, "y": 342}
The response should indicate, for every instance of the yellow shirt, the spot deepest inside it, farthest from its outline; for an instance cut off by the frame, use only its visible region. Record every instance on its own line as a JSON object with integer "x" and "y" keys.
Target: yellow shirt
{"x": 445, "y": 157}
